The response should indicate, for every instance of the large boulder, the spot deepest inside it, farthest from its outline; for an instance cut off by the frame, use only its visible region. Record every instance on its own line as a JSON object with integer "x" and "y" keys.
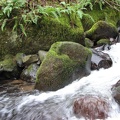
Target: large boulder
{"x": 101, "y": 30}
{"x": 65, "y": 62}
{"x": 91, "y": 107}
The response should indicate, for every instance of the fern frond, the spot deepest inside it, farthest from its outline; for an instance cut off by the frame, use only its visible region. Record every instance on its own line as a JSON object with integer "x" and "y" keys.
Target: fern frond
{"x": 3, "y": 24}
{"x": 80, "y": 14}
{"x": 23, "y": 29}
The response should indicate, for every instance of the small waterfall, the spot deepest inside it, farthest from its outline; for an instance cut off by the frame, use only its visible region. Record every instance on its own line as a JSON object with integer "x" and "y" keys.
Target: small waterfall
{"x": 58, "y": 105}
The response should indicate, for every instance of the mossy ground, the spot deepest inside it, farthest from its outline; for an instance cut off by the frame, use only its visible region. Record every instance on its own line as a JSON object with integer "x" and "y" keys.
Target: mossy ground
{"x": 40, "y": 36}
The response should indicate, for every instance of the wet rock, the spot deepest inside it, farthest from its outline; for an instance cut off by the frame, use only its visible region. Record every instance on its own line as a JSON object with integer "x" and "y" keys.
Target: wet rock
{"x": 91, "y": 107}
{"x": 15, "y": 86}
{"x": 101, "y": 30}
{"x": 9, "y": 68}
{"x": 18, "y": 58}
{"x": 116, "y": 92}
{"x": 8, "y": 64}
{"x": 88, "y": 43}
{"x": 25, "y": 88}
{"x": 100, "y": 60}
{"x": 27, "y": 60}
{"x": 17, "y": 82}
{"x": 29, "y": 73}
{"x": 42, "y": 54}
{"x": 65, "y": 62}
{"x": 13, "y": 89}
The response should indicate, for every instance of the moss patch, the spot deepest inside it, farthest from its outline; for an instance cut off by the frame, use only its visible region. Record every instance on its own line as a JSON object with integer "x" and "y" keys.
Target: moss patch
{"x": 103, "y": 41}
{"x": 107, "y": 14}
{"x": 101, "y": 30}
{"x": 88, "y": 43}
{"x": 40, "y": 36}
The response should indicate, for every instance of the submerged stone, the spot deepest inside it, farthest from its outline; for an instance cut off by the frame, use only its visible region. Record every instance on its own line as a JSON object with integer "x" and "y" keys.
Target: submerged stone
{"x": 91, "y": 107}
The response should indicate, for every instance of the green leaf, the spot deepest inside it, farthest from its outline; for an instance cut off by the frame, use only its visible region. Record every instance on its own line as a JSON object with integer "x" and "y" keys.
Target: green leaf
{"x": 24, "y": 17}
{"x": 3, "y": 24}
{"x": 90, "y": 17}
{"x": 63, "y": 3}
{"x": 7, "y": 10}
{"x": 23, "y": 29}
{"x": 80, "y": 14}
{"x": 15, "y": 25}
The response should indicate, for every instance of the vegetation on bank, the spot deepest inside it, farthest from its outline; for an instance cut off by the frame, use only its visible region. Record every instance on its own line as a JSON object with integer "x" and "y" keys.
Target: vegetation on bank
{"x": 18, "y": 14}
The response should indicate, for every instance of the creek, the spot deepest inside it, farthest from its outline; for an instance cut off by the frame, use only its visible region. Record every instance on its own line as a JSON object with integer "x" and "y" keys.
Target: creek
{"x": 58, "y": 105}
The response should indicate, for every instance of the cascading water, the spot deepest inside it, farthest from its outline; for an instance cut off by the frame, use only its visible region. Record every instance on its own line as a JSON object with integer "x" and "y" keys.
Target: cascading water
{"x": 58, "y": 105}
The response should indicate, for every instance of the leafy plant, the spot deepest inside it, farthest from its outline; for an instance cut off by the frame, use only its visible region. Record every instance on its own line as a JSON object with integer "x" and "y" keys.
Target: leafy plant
{"x": 19, "y": 13}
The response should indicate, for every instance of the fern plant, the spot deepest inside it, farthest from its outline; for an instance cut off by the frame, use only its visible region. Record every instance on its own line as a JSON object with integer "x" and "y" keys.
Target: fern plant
{"x": 26, "y": 15}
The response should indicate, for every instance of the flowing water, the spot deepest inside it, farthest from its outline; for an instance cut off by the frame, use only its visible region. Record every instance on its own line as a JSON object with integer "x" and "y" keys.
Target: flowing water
{"x": 58, "y": 105}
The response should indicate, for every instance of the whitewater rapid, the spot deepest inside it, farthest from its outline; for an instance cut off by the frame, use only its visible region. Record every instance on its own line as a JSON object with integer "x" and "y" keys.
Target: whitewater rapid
{"x": 60, "y": 102}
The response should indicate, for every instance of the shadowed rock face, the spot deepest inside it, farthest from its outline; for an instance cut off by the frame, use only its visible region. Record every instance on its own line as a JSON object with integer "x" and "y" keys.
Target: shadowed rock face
{"x": 100, "y": 60}
{"x": 91, "y": 107}
{"x": 116, "y": 92}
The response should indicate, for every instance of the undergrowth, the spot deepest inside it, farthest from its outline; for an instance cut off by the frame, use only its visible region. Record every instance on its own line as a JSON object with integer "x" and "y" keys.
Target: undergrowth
{"x": 20, "y": 13}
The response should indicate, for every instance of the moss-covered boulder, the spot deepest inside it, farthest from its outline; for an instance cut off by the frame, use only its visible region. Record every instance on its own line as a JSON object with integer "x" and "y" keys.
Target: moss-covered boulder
{"x": 40, "y": 36}
{"x": 106, "y": 13}
{"x": 101, "y": 30}
{"x": 65, "y": 62}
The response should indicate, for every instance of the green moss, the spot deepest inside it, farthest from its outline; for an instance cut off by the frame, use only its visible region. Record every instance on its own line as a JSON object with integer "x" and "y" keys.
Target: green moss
{"x": 88, "y": 43}
{"x": 101, "y": 27}
{"x": 107, "y": 14}
{"x": 40, "y": 36}
{"x": 8, "y": 64}
{"x": 103, "y": 41}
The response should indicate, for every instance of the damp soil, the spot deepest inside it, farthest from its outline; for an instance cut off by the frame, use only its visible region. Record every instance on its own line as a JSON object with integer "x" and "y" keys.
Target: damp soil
{"x": 14, "y": 86}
